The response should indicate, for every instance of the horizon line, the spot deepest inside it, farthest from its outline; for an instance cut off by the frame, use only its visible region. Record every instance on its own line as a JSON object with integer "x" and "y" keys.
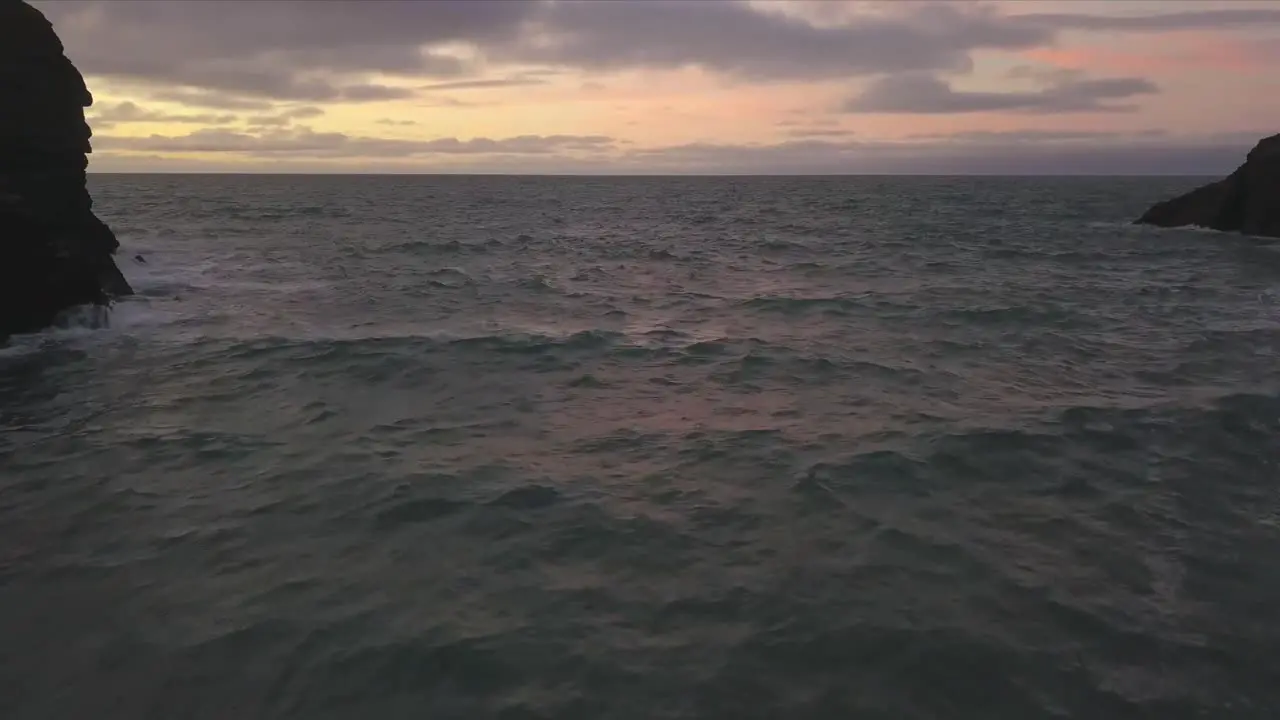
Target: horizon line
{"x": 651, "y": 174}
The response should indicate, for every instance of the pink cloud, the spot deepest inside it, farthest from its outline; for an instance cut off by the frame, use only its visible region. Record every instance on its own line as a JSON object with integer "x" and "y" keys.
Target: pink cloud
{"x": 1195, "y": 51}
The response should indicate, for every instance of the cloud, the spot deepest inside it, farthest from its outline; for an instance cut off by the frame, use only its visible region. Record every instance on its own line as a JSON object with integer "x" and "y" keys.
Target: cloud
{"x": 1003, "y": 137}
{"x": 315, "y": 52}
{"x": 342, "y": 36}
{"x": 1062, "y": 151}
{"x": 1045, "y": 75}
{"x": 1165, "y": 22}
{"x": 734, "y": 39}
{"x": 205, "y": 98}
{"x": 365, "y": 93}
{"x": 1070, "y": 153}
{"x": 335, "y": 51}
{"x": 482, "y": 84}
{"x": 105, "y": 115}
{"x": 926, "y": 94}
{"x": 308, "y": 143}
{"x": 806, "y": 116}
{"x": 389, "y": 121}
{"x": 819, "y": 132}
{"x": 345, "y": 50}
{"x": 285, "y": 117}
{"x": 442, "y": 101}
{"x": 1199, "y": 52}
{"x": 235, "y": 80}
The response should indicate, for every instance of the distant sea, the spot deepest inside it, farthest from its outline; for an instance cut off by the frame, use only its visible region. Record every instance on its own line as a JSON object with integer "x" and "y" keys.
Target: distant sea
{"x": 696, "y": 448}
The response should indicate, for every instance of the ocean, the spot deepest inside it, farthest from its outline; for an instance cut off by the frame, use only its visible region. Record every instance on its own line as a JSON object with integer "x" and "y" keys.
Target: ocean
{"x": 602, "y": 448}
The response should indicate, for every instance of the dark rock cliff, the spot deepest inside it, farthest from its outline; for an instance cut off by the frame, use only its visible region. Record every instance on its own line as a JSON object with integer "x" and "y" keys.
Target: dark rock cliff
{"x": 54, "y": 253}
{"x": 1247, "y": 201}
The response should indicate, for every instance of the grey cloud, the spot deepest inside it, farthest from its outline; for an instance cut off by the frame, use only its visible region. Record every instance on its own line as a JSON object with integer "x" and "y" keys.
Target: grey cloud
{"x": 390, "y": 59}
{"x": 276, "y": 164}
{"x": 485, "y": 83}
{"x": 1045, "y": 75}
{"x": 105, "y": 115}
{"x": 1102, "y": 154}
{"x": 732, "y": 38}
{"x": 306, "y": 142}
{"x": 1062, "y": 152}
{"x": 328, "y": 51}
{"x": 1189, "y": 20}
{"x": 926, "y": 94}
{"x": 311, "y": 51}
{"x": 449, "y": 102}
{"x": 362, "y": 93}
{"x": 285, "y": 117}
{"x": 389, "y": 121}
{"x": 258, "y": 121}
{"x": 235, "y": 81}
{"x": 227, "y": 53}
{"x": 807, "y": 117}
{"x": 304, "y": 112}
{"x": 704, "y": 153}
{"x": 343, "y": 35}
{"x": 524, "y": 144}
{"x": 205, "y": 98}
{"x": 802, "y": 133}
{"x": 1039, "y": 136}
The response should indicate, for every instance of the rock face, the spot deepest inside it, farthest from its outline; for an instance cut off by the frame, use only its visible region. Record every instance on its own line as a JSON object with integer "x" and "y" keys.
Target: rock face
{"x": 54, "y": 253}
{"x": 1247, "y": 201}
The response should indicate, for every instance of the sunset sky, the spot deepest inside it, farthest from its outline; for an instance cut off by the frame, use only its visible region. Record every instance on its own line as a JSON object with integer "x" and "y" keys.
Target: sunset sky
{"x": 658, "y": 86}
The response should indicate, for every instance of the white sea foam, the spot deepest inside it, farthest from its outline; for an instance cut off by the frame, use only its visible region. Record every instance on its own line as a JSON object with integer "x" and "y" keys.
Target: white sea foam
{"x": 1200, "y": 229}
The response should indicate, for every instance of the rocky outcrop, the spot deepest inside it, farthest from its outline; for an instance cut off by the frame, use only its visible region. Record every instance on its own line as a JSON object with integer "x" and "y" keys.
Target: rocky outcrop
{"x": 1247, "y": 201}
{"x": 54, "y": 253}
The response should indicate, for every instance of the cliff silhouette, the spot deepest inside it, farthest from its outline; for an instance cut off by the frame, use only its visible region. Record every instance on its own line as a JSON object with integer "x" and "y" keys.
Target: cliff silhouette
{"x": 55, "y": 254}
{"x": 1247, "y": 201}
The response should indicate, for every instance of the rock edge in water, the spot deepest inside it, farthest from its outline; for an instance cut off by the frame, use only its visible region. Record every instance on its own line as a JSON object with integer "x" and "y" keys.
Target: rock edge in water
{"x": 55, "y": 254}
{"x": 1247, "y": 201}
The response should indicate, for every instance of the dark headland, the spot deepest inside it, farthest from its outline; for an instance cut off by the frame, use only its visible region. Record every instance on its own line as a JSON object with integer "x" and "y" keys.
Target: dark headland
{"x": 55, "y": 254}
{"x": 1246, "y": 201}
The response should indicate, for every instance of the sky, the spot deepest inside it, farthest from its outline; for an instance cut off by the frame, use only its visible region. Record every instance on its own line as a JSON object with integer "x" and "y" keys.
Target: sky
{"x": 675, "y": 86}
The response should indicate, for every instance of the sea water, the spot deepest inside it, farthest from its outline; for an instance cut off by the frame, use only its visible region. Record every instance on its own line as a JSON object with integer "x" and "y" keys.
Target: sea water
{"x": 493, "y": 447}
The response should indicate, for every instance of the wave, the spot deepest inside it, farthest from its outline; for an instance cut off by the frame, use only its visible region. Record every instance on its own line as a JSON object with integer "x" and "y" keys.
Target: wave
{"x": 1019, "y": 315}
{"x": 796, "y": 305}
{"x": 1197, "y": 229}
{"x": 420, "y": 248}
{"x": 783, "y": 246}
{"x": 89, "y": 324}
{"x": 1173, "y": 427}
{"x": 525, "y": 344}
{"x": 334, "y": 349}
{"x": 449, "y": 277}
